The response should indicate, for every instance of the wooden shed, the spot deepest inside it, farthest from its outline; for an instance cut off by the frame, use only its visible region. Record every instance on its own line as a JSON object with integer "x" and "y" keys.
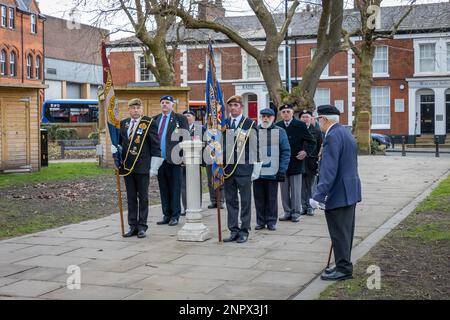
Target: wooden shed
{"x": 19, "y": 127}
{"x": 150, "y": 97}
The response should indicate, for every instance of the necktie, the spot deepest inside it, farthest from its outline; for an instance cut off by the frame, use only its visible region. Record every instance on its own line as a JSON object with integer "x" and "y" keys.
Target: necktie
{"x": 131, "y": 128}
{"x": 233, "y": 125}
{"x": 286, "y": 123}
{"x": 161, "y": 129}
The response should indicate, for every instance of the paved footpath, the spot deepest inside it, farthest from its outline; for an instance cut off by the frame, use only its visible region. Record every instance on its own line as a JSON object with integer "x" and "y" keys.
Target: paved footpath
{"x": 271, "y": 265}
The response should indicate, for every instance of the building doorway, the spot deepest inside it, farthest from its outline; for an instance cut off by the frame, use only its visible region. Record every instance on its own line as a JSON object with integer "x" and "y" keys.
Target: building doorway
{"x": 426, "y": 113}
{"x": 251, "y": 106}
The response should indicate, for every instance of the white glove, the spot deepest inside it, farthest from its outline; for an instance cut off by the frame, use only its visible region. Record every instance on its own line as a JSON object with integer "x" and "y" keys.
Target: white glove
{"x": 314, "y": 204}
{"x": 155, "y": 163}
{"x": 256, "y": 170}
{"x": 113, "y": 149}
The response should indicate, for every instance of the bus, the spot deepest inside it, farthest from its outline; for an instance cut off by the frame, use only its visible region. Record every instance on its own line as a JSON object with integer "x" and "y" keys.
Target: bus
{"x": 79, "y": 114}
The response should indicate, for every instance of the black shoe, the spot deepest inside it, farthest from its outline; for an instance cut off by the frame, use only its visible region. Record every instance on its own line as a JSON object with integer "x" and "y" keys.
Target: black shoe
{"x": 183, "y": 213}
{"x": 141, "y": 234}
{"x": 212, "y": 206}
{"x": 242, "y": 238}
{"x": 271, "y": 227}
{"x": 295, "y": 218}
{"x": 231, "y": 238}
{"x": 329, "y": 270}
{"x": 222, "y": 206}
{"x": 336, "y": 275}
{"x": 303, "y": 213}
{"x": 286, "y": 217}
{"x": 310, "y": 212}
{"x": 130, "y": 233}
{"x": 173, "y": 222}
{"x": 163, "y": 221}
{"x": 259, "y": 227}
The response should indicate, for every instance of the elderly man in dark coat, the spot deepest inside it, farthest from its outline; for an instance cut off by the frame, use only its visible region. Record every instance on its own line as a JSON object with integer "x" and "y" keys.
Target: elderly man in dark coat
{"x": 302, "y": 144}
{"x": 338, "y": 190}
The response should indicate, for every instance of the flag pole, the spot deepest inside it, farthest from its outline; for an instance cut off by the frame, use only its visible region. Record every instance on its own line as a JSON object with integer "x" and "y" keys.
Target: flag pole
{"x": 329, "y": 256}
{"x": 219, "y": 224}
{"x": 119, "y": 194}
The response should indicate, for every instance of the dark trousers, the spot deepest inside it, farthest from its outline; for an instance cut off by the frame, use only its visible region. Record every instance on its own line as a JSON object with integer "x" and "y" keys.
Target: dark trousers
{"x": 265, "y": 194}
{"x": 169, "y": 180}
{"x": 307, "y": 190}
{"x": 341, "y": 226}
{"x": 212, "y": 191}
{"x": 183, "y": 187}
{"x": 243, "y": 185}
{"x": 137, "y": 197}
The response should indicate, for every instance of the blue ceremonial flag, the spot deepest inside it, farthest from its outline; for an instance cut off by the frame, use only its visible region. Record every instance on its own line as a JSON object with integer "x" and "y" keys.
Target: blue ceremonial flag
{"x": 215, "y": 119}
{"x": 109, "y": 102}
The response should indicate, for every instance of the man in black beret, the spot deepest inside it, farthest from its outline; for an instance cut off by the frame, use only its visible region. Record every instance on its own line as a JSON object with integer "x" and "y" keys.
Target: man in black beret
{"x": 311, "y": 163}
{"x": 338, "y": 189}
{"x": 302, "y": 144}
{"x": 170, "y": 125}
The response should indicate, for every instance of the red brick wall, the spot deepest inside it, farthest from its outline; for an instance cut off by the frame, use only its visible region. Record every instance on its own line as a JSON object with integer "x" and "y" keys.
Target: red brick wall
{"x": 231, "y": 63}
{"x": 195, "y": 57}
{"x": 11, "y": 40}
{"x": 122, "y": 67}
{"x": 337, "y": 65}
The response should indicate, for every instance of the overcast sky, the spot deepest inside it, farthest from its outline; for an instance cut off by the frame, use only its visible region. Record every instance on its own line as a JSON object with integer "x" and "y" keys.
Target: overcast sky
{"x": 62, "y": 8}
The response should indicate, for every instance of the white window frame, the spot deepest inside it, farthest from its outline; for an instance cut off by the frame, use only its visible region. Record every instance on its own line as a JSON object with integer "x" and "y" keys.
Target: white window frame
{"x": 29, "y": 66}
{"x": 3, "y": 55}
{"x": 375, "y": 106}
{"x": 326, "y": 71}
{"x": 3, "y": 16}
{"x": 282, "y": 62}
{"x": 137, "y": 59}
{"x": 11, "y": 22}
{"x": 384, "y": 61}
{"x": 37, "y": 68}
{"x": 245, "y": 59}
{"x": 218, "y": 64}
{"x": 12, "y": 64}
{"x": 33, "y": 23}
{"x": 322, "y": 101}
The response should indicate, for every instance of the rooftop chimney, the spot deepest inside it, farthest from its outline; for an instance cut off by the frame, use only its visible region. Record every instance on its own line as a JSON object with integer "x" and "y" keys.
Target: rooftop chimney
{"x": 210, "y": 10}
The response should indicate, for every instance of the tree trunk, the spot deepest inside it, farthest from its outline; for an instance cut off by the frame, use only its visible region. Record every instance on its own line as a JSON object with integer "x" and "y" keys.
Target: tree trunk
{"x": 363, "y": 97}
{"x": 268, "y": 64}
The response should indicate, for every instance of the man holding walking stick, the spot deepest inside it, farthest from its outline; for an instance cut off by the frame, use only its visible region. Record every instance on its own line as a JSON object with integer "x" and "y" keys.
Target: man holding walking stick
{"x": 338, "y": 190}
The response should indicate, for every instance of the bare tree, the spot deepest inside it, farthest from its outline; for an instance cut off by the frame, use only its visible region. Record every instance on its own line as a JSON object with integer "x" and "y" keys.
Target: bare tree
{"x": 364, "y": 51}
{"x": 267, "y": 57}
{"x": 149, "y": 27}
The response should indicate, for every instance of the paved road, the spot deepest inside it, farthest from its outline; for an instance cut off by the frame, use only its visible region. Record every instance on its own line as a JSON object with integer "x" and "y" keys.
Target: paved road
{"x": 271, "y": 265}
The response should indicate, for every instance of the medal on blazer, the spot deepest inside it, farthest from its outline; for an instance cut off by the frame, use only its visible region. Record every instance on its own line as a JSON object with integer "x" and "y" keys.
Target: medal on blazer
{"x": 135, "y": 146}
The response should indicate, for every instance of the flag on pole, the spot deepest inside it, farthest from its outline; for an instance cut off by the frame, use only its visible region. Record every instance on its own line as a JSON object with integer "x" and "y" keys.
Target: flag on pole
{"x": 215, "y": 119}
{"x": 109, "y": 102}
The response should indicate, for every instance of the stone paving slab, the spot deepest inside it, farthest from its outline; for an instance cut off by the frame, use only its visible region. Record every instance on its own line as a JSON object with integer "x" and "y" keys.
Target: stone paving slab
{"x": 271, "y": 265}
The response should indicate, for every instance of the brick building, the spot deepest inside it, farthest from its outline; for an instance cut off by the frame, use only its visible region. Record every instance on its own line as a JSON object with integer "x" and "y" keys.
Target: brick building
{"x": 21, "y": 84}
{"x": 411, "y": 80}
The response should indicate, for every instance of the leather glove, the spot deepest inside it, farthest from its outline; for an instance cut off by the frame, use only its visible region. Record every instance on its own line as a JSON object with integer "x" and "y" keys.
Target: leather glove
{"x": 155, "y": 163}
{"x": 281, "y": 176}
{"x": 256, "y": 170}
{"x": 314, "y": 204}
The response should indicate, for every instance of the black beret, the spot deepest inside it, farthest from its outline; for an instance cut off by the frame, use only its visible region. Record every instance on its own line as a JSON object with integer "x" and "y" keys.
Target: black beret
{"x": 189, "y": 112}
{"x": 286, "y": 106}
{"x": 305, "y": 112}
{"x": 168, "y": 98}
{"x": 327, "y": 110}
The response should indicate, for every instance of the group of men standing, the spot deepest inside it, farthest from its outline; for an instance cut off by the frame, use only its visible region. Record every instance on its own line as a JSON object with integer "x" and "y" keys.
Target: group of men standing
{"x": 265, "y": 156}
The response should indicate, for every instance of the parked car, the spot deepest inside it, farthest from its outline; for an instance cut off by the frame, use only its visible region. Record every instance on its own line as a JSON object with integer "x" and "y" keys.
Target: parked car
{"x": 382, "y": 139}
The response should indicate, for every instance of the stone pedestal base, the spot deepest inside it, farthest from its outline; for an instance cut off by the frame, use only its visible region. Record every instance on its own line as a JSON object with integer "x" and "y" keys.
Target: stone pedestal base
{"x": 194, "y": 229}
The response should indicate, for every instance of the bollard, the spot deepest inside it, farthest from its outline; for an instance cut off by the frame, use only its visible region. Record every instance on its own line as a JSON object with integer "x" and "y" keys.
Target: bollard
{"x": 436, "y": 142}
{"x": 403, "y": 146}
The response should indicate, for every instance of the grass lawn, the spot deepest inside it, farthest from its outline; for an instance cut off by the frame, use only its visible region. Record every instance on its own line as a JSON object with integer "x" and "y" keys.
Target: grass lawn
{"x": 413, "y": 258}
{"x": 54, "y": 172}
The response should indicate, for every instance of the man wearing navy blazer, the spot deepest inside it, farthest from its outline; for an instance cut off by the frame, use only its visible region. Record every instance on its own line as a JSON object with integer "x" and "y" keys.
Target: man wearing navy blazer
{"x": 338, "y": 189}
{"x": 171, "y": 126}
